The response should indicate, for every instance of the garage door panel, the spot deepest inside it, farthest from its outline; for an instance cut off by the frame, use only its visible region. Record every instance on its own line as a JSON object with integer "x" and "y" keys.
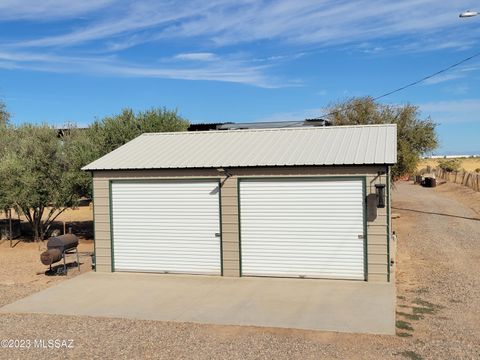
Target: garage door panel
{"x": 302, "y": 228}
{"x": 167, "y": 229}
{"x": 162, "y": 226}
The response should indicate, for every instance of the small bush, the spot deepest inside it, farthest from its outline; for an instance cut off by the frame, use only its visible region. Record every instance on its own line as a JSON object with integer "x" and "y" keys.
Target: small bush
{"x": 477, "y": 170}
{"x": 404, "y": 325}
{"x": 449, "y": 165}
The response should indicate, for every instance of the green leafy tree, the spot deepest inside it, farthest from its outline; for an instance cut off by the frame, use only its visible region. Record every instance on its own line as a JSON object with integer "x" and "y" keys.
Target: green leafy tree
{"x": 5, "y": 138}
{"x": 38, "y": 178}
{"x": 4, "y": 115}
{"x": 40, "y": 171}
{"x": 114, "y": 131}
{"x": 415, "y": 135}
{"x": 79, "y": 150}
{"x": 111, "y": 132}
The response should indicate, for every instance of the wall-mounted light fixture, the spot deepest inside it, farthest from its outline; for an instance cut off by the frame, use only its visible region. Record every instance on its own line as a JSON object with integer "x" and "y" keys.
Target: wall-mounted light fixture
{"x": 223, "y": 172}
{"x": 380, "y": 191}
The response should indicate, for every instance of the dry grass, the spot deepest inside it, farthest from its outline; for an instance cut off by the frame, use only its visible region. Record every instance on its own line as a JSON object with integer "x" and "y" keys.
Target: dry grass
{"x": 469, "y": 164}
{"x": 81, "y": 213}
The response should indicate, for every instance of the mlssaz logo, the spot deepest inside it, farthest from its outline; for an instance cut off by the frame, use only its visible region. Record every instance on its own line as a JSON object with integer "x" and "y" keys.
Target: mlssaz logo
{"x": 53, "y": 344}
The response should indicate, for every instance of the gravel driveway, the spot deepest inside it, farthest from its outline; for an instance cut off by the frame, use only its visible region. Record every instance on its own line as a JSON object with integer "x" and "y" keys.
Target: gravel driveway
{"x": 438, "y": 281}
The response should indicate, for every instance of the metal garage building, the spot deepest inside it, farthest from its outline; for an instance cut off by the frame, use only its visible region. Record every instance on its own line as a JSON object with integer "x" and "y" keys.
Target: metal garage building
{"x": 293, "y": 202}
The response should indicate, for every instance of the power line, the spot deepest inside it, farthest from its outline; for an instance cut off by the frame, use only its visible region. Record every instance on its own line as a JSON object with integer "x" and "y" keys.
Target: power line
{"x": 410, "y": 84}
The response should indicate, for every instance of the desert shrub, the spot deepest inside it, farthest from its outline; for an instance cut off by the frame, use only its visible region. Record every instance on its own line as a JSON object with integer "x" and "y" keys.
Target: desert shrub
{"x": 449, "y": 165}
{"x": 477, "y": 170}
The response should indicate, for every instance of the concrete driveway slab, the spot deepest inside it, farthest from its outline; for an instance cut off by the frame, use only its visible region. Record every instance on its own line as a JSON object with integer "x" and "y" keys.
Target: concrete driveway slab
{"x": 345, "y": 306}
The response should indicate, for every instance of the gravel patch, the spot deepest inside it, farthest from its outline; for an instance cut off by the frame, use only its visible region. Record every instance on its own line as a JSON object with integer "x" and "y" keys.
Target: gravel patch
{"x": 438, "y": 308}
{"x": 438, "y": 270}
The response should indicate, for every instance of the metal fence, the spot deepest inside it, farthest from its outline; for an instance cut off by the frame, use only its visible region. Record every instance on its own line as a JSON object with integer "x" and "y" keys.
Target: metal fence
{"x": 465, "y": 178}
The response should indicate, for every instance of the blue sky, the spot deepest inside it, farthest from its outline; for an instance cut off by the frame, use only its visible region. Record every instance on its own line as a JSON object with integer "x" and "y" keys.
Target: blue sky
{"x": 73, "y": 61}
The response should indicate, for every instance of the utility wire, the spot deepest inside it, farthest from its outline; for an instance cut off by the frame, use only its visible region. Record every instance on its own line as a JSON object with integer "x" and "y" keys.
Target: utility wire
{"x": 410, "y": 84}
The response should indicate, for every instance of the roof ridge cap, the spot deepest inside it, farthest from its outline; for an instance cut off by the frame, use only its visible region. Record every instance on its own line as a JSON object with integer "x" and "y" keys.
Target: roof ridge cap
{"x": 297, "y": 128}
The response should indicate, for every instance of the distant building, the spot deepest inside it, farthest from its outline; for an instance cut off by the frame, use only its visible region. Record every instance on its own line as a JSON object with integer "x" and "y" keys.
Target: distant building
{"x": 450, "y": 156}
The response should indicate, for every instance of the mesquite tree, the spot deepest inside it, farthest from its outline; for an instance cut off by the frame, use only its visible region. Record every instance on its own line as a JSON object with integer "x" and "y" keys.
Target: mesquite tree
{"x": 415, "y": 136}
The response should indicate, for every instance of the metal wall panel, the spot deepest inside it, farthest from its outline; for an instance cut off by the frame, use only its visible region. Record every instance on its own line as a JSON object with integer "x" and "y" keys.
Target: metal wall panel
{"x": 302, "y": 228}
{"x": 166, "y": 226}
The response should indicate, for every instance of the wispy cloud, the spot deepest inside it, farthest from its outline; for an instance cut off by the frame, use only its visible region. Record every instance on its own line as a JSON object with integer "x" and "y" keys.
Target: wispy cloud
{"x": 460, "y": 89}
{"x": 48, "y": 9}
{"x": 452, "y": 111}
{"x": 442, "y": 78}
{"x": 227, "y": 71}
{"x": 225, "y": 22}
{"x": 201, "y": 56}
{"x": 455, "y": 74}
{"x": 202, "y": 29}
{"x": 325, "y": 22}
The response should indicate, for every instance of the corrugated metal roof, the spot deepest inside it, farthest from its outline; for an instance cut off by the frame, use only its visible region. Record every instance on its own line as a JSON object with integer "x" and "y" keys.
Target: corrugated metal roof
{"x": 331, "y": 145}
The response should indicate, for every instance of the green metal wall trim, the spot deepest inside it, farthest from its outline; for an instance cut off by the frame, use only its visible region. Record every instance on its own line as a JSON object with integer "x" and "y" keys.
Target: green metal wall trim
{"x": 94, "y": 233}
{"x": 110, "y": 213}
{"x": 365, "y": 228}
{"x": 303, "y": 177}
{"x": 388, "y": 222}
{"x": 239, "y": 228}
{"x": 143, "y": 180}
{"x": 220, "y": 220}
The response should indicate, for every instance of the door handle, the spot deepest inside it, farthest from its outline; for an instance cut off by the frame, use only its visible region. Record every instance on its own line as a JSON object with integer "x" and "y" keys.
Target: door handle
{"x": 217, "y": 234}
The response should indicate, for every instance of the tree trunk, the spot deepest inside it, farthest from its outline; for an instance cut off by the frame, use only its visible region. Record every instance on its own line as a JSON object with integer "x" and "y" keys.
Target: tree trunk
{"x": 38, "y": 224}
{"x": 10, "y": 233}
{"x": 40, "y": 228}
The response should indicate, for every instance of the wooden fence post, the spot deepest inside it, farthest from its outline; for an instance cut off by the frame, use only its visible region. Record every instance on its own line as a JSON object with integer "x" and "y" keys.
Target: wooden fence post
{"x": 466, "y": 178}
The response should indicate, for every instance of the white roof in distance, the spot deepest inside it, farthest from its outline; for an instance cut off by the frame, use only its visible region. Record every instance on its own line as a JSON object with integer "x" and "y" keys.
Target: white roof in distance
{"x": 326, "y": 145}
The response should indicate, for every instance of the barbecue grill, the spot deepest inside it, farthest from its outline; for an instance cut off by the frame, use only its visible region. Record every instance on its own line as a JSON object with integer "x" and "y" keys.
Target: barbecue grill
{"x": 58, "y": 247}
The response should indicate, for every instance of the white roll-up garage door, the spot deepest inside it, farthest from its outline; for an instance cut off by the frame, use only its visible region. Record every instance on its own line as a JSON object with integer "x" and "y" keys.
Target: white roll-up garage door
{"x": 166, "y": 226}
{"x": 302, "y": 228}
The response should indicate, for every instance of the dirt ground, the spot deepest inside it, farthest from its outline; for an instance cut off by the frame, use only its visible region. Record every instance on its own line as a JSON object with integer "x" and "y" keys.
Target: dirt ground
{"x": 469, "y": 164}
{"x": 22, "y": 273}
{"x": 438, "y": 310}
